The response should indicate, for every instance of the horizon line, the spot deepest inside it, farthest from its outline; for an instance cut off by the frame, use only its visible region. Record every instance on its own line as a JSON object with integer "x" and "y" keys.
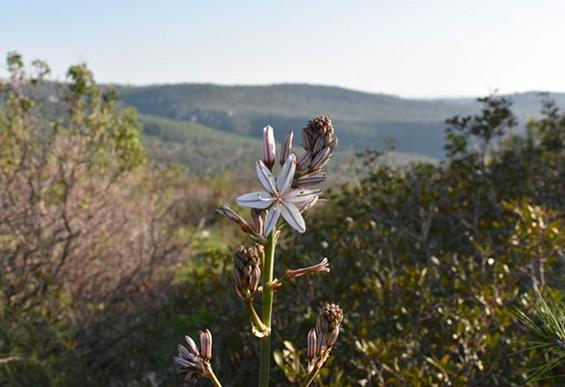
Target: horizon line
{"x": 331, "y": 86}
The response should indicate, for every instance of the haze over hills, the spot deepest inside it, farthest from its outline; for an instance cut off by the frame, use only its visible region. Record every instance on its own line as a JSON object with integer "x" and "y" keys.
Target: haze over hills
{"x": 363, "y": 120}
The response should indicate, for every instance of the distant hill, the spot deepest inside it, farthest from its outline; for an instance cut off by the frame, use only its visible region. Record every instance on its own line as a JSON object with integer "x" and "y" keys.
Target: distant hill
{"x": 363, "y": 120}
{"x": 204, "y": 151}
{"x": 209, "y": 152}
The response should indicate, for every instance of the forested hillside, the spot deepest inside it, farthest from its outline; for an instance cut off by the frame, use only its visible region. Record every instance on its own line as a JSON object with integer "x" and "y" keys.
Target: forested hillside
{"x": 203, "y": 151}
{"x": 364, "y": 120}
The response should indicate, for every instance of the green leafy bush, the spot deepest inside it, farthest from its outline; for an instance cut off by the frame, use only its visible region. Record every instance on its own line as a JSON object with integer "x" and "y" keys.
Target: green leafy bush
{"x": 429, "y": 263}
{"x": 88, "y": 234}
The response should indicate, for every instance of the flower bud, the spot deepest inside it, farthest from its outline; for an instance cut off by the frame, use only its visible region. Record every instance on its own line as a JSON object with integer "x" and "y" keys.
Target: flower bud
{"x": 312, "y": 347}
{"x": 327, "y": 327}
{"x": 304, "y": 160}
{"x": 319, "y": 144}
{"x": 246, "y": 271}
{"x": 305, "y": 139}
{"x": 323, "y": 266}
{"x": 286, "y": 147}
{"x": 206, "y": 345}
{"x": 318, "y": 133}
{"x": 310, "y": 179}
{"x": 320, "y": 160}
{"x": 258, "y": 220}
{"x": 268, "y": 147}
{"x": 234, "y": 217}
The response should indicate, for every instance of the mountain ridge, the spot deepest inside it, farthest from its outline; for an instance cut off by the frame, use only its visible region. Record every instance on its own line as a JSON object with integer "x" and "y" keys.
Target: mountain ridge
{"x": 362, "y": 119}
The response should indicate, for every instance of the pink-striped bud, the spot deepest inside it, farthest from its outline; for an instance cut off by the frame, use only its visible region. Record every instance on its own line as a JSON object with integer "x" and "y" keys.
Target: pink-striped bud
{"x": 305, "y": 140}
{"x": 312, "y": 346}
{"x": 320, "y": 160}
{"x": 258, "y": 220}
{"x": 206, "y": 345}
{"x": 268, "y": 147}
{"x": 311, "y": 179}
{"x": 287, "y": 147}
{"x": 234, "y": 217}
{"x": 304, "y": 160}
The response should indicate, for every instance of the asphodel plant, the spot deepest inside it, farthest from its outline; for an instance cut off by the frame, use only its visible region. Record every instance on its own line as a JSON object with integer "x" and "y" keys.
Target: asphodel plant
{"x": 280, "y": 202}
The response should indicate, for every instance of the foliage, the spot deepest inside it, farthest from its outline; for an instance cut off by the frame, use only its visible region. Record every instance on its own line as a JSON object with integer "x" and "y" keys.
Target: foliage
{"x": 548, "y": 324}
{"x": 85, "y": 228}
{"x": 430, "y": 261}
{"x": 446, "y": 253}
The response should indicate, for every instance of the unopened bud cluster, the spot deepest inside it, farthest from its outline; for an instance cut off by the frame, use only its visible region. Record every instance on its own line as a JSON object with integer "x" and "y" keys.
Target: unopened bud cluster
{"x": 319, "y": 144}
{"x": 246, "y": 271}
{"x": 192, "y": 363}
{"x": 323, "y": 337}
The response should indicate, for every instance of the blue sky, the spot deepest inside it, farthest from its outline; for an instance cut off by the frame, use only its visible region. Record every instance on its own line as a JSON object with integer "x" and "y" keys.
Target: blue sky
{"x": 409, "y": 48}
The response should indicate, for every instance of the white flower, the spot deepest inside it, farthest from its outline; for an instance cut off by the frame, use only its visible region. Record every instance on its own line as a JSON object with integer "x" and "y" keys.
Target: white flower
{"x": 278, "y": 196}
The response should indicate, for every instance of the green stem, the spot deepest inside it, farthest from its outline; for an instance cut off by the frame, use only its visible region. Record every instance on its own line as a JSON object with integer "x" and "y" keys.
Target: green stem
{"x": 254, "y": 316}
{"x": 310, "y": 378}
{"x": 214, "y": 379}
{"x": 265, "y": 346}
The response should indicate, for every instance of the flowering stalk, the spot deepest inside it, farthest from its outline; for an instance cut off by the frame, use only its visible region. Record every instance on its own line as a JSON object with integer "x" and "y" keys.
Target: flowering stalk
{"x": 282, "y": 198}
{"x": 310, "y": 377}
{"x": 268, "y": 291}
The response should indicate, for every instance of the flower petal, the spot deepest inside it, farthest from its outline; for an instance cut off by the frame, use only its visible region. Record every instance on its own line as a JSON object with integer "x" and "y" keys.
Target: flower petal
{"x": 301, "y": 195}
{"x": 259, "y": 200}
{"x": 272, "y": 219}
{"x": 265, "y": 177}
{"x": 293, "y": 217}
{"x": 286, "y": 174}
